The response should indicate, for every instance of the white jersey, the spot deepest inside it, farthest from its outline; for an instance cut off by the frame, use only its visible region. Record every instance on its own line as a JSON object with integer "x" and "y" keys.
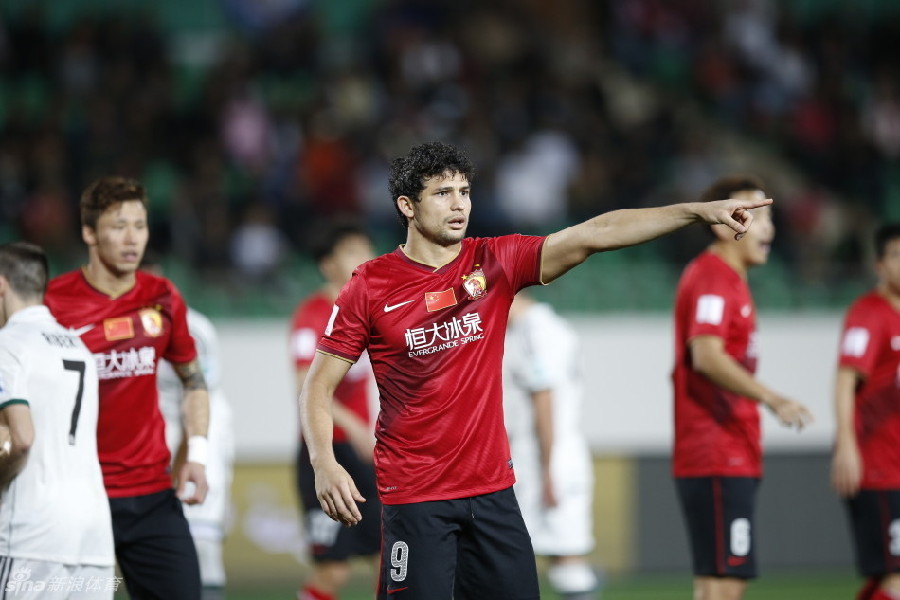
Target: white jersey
{"x": 206, "y": 519}
{"x": 542, "y": 352}
{"x": 56, "y": 509}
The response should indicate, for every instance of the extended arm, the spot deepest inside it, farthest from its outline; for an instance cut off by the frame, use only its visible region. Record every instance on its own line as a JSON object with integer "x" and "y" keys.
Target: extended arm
{"x": 195, "y": 409}
{"x": 361, "y": 437}
{"x": 846, "y": 464}
{"x": 335, "y": 489}
{"x": 16, "y": 422}
{"x": 710, "y": 358}
{"x": 620, "y": 228}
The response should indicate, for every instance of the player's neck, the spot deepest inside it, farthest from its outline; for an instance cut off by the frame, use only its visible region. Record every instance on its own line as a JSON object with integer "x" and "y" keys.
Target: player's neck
{"x": 890, "y": 294}
{"x": 331, "y": 290}
{"x": 104, "y": 280}
{"x": 731, "y": 256}
{"x": 428, "y": 253}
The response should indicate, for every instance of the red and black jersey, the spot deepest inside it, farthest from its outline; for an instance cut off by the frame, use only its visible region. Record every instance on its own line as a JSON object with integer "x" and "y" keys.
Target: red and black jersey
{"x": 870, "y": 344}
{"x": 127, "y": 335}
{"x": 717, "y": 432}
{"x": 307, "y": 326}
{"x": 435, "y": 340}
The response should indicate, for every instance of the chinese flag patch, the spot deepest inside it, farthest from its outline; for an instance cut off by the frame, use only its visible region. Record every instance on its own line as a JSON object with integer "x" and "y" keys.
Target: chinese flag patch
{"x": 119, "y": 328}
{"x": 438, "y": 300}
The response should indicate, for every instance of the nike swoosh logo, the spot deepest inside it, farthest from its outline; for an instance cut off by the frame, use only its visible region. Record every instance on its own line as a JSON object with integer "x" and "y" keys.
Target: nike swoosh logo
{"x": 388, "y": 308}
{"x": 82, "y": 330}
{"x": 403, "y": 588}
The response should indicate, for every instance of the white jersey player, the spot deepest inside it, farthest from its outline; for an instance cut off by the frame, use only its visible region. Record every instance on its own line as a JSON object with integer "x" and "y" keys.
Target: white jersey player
{"x": 55, "y": 526}
{"x": 206, "y": 520}
{"x": 542, "y": 396}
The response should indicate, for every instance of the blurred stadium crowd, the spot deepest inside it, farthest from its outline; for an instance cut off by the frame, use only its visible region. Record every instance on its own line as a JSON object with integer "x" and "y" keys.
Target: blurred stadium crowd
{"x": 246, "y": 134}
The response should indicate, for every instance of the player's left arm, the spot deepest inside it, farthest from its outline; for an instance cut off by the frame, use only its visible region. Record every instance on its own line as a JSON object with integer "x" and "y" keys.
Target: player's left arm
{"x": 16, "y": 438}
{"x": 846, "y": 461}
{"x": 195, "y": 410}
{"x": 543, "y": 429}
{"x": 710, "y": 359}
{"x": 629, "y": 227}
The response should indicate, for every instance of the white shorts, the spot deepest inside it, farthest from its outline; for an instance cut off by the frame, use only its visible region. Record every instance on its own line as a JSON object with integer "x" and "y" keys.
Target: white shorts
{"x": 28, "y": 579}
{"x": 567, "y": 528}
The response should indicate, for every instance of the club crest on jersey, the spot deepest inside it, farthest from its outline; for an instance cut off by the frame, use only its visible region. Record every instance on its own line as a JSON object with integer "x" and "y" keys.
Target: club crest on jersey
{"x": 119, "y": 328}
{"x": 152, "y": 321}
{"x": 475, "y": 283}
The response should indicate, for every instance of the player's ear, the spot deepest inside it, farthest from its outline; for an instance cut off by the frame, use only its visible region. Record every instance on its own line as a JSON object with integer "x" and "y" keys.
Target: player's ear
{"x": 405, "y": 204}
{"x": 88, "y": 235}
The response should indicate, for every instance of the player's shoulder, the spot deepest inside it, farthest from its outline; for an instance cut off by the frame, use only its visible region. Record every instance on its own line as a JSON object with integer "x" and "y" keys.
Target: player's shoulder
{"x": 64, "y": 284}
{"x": 149, "y": 283}
{"x": 869, "y": 304}
{"x": 313, "y": 304}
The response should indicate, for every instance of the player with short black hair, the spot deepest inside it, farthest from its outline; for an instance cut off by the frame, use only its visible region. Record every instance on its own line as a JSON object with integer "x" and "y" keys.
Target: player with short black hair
{"x": 432, "y": 315}
{"x": 54, "y": 516}
{"x": 866, "y": 463}
{"x": 338, "y": 247}
{"x": 130, "y": 319}
{"x": 717, "y": 459}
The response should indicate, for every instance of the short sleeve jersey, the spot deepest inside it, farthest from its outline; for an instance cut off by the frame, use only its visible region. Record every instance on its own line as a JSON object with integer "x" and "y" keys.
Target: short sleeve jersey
{"x": 717, "y": 432}
{"x": 870, "y": 344}
{"x": 128, "y": 335}
{"x": 435, "y": 341}
{"x": 56, "y": 508}
{"x": 307, "y": 326}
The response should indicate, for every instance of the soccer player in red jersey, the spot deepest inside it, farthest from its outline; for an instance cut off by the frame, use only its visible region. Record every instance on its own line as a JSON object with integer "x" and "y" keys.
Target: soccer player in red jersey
{"x": 432, "y": 315}
{"x": 337, "y": 249}
{"x": 129, "y": 319}
{"x": 866, "y": 462}
{"x": 717, "y": 461}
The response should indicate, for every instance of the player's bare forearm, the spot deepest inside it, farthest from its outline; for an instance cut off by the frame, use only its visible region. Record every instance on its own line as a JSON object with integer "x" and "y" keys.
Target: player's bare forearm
{"x": 543, "y": 425}
{"x": 845, "y": 383}
{"x": 629, "y": 227}
{"x": 710, "y": 358}
{"x": 195, "y": 410}
{"x": 315, "y": 405}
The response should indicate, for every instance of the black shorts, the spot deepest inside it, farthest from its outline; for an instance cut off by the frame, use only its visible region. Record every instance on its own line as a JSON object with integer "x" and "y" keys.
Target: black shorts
{"x": 875, "y": 521}
{"x": 154, "y": 547}
{"x": 467, "y": 548}
{"x": 328, "y": 539}
{"x": 718, "y": 512}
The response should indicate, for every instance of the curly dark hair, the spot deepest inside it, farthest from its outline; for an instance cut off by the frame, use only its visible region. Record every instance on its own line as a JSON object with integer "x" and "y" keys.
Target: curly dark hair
{"x": 408, "y": 173}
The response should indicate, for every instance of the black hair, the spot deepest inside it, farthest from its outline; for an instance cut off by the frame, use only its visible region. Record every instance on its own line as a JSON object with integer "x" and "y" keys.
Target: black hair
{"x": 25, "y": 267}
{"x": 883, "y": 236}
{"x": 326, "y": 237}
{"x": 408, "y": 173}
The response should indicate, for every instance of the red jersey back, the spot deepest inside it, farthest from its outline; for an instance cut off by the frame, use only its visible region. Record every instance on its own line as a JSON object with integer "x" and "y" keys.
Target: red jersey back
{"x": 307, "y": 326}
{"x": 127, "y": 335}
{"x": 870, "y": 344}
{"x": 717, "y": 432}
{"x": 435, "y": 340}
